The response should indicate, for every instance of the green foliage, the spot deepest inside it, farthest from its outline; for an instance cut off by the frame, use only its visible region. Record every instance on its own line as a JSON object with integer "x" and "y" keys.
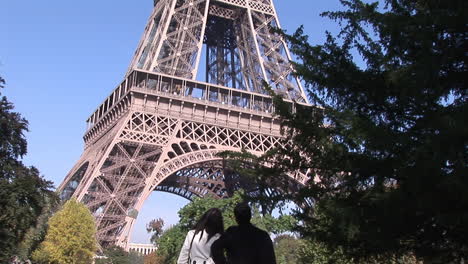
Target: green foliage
{"x": 12, "y": 141}
{"x": 154, "y": 258}
{"x": 25, "y": 197}
{"x": 314, "y": 252}
{"x": 36, "y": 234}
{"x": 117, "y": 255}
{"x": 194, "y": 210}
{"x": 191, "y": 213}
{"x": 287, "y": 249}
{"x": 389, "y": 139}
{"x": 71, "y": 236}
{"x": 171, "y": 241}
{"x": 292, "y": 250}
{"x": 250, "y": 173}
{"x": 271, "y": 224}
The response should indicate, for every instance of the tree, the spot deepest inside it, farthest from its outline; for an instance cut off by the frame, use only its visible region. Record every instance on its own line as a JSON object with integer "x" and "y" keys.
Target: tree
{"x": 155, "y": 226}
{"x": 287, "y": 249}
{"x": 117, "y": 255}
{"x": 36, "y": 234}
{"x": 154, "y": 258}
{"x": 387, "y": 139}
{"x": 171, "y": 241}
{"x": 71, "y": 237}
{"x": 24, "y": 194}
{"x": 314, "y": 252}
{"x": 249, "y": 172}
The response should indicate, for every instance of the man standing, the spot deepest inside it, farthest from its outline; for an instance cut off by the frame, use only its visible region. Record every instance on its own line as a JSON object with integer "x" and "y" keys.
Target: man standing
{"x": 245, "y": 243}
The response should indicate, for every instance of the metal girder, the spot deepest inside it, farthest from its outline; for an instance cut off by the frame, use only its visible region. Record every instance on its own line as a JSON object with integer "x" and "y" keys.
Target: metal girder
{"x": 173, "y": 37}
{"x": 204, "y": 179}
{"x": 217, "y": 180}
{"x": 161, "y": 130}
{"x": 241, "y": 50}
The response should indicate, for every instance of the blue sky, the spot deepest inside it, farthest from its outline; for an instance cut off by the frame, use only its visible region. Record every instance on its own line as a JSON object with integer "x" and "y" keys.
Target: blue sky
{"x": 62, "y": 58}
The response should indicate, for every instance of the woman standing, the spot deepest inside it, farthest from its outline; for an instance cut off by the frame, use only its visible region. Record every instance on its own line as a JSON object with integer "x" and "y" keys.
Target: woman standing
{"x": 197, "y": 244}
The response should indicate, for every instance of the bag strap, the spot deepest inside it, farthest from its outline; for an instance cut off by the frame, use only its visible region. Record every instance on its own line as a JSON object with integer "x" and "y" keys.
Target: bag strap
{"x": 190, "y": 248}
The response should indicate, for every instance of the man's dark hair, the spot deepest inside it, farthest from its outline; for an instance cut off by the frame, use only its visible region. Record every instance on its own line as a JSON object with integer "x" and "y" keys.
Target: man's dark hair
{"x": 242, "y": 213}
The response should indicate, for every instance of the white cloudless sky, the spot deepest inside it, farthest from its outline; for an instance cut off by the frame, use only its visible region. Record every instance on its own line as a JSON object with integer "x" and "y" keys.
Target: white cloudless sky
{"x": 62, "y": 58}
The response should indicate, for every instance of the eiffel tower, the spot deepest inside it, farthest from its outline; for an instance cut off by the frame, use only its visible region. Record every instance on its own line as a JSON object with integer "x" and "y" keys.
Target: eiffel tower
{"x": 162, "y": 130}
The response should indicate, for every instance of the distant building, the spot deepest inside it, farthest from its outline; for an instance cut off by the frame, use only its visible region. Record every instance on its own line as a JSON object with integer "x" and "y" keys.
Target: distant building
{"x": 143, "y": 249}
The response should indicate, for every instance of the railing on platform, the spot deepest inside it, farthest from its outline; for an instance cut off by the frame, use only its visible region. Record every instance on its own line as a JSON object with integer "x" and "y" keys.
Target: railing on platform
{"x": 180, "y": 88}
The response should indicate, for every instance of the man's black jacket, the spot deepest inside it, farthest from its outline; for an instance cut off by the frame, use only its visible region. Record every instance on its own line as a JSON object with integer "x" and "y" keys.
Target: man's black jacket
{"x": 244, "y": 244}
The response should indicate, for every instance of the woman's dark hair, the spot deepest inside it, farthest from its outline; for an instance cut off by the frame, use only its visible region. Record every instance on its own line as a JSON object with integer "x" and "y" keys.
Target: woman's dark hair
{"x": 211, "y": 222}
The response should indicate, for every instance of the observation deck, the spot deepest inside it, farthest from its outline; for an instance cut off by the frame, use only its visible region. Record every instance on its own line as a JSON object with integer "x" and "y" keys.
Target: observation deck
{"x": 185, "y": 99}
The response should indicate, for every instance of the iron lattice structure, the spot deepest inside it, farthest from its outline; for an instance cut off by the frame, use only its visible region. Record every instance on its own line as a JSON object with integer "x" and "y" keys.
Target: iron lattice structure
{"x": 161, "y": 130}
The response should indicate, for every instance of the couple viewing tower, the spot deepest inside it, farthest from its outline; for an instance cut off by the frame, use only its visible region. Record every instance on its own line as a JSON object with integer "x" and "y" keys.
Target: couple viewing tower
{"x": 162, "y": 128}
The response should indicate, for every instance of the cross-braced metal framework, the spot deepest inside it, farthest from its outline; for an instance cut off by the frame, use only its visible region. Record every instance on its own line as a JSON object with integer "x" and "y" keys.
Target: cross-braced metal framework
{"x": 241, "y": 49}
{"x": 162, "y": 130}
{"x": 199, "y": 180}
